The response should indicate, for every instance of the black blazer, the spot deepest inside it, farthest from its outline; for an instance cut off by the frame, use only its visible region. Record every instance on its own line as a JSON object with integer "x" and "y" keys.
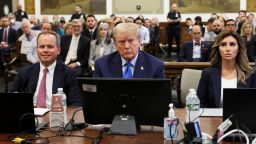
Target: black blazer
{"x": 86, "y": 33}
{"x": 83, "y": 49}
{"x": 64, "y": 77}
{"x": 251, "y": 48}
{"x": 12, "y": 36}
{"x": 209, "y": 87}
{"x": 186, "y": 52}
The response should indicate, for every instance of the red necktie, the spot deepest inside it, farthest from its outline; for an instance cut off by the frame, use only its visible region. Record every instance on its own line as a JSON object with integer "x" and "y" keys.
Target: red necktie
{"x": 41, "y": 97}
{"x": 5, "y": 37}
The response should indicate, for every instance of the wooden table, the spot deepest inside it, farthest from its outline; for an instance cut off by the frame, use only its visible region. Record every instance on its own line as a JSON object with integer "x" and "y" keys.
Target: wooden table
{"x": 208, "y": 125}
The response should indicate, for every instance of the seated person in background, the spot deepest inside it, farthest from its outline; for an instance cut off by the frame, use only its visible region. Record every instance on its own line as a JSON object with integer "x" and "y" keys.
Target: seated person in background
{"x": 44, "y": 78}
{"x": 28, "y": 33}
{"x": 75, "y": 48}
{"x": 196, "y": 50}
{"x": 128, "y": 61}
{"x": 229, "y": 68}
{"x": 230, "y": 24}
{"x": 31, "y": 55}
{"x": 102, "y": 45}
{"x": 8, "y": 37}
{"x": 247, "y": 32}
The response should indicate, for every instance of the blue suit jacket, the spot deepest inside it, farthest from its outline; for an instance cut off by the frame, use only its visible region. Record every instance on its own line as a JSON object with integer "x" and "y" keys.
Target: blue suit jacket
{"x": 209, "y": 87}
{"x": 146, "y": 66}
{"x": 64, "y": 77}
{"x": 186, "y": 52}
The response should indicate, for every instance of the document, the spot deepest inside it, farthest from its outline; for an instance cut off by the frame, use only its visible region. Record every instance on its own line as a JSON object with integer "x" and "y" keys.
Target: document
{"x": 40, "y": 111}
{"x": 25, "y": 45}
{"x": 212, "y": 112}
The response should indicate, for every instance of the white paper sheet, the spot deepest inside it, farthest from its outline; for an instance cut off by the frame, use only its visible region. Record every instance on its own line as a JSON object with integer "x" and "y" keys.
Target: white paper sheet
{"x": 40, "y": 111}
{"x": 212, "y": 112}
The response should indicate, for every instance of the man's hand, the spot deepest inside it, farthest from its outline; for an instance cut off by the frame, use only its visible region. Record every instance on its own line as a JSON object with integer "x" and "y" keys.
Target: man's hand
{"x": 73, "y": 65}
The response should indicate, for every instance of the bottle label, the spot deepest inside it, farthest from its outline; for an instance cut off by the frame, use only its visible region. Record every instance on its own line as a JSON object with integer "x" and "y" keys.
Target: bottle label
{"x": 193, "y": 107}
{"x": 56, "y": 105}
{"x": 170, "y": 128}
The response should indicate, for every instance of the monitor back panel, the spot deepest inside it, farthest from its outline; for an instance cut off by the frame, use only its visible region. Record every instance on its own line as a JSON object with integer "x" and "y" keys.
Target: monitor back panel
{"x": 240, "y": 103}
{"x": 16, "y": 112}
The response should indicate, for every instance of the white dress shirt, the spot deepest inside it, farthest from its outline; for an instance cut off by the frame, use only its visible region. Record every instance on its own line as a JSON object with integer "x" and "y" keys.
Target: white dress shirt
{"x": 72, "y": 52}
{"x": 49, "y": 83}
{"x": 196, "y": 50}
{"x": 227, "y": 83}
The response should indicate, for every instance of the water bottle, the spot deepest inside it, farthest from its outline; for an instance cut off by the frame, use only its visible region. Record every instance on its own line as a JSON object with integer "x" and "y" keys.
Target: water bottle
{"x": 64, "y": 103}
{"x": 192, "y": 106}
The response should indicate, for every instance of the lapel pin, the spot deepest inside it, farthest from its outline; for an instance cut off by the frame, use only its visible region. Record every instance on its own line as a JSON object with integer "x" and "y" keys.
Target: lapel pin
{"x": 142, "y": 68}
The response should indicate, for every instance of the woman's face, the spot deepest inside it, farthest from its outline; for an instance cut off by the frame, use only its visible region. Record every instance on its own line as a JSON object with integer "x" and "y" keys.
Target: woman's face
{"x": 103, "y": 32}
{"x": 248, "y": 29}
{"x": 228, "y": 48}
{"x": 69, "y": 30}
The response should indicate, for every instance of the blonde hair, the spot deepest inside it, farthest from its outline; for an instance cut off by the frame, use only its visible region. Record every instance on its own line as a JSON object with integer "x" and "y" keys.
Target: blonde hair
{"x": 130, "y": 28}
{"x": 243, "y": 28}
{"x": 242, "y": 63}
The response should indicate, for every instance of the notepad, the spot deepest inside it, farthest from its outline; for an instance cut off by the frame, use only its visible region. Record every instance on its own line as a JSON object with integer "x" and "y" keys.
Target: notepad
{"x": 40, "y": 111}
{"x": 212, "y": 112}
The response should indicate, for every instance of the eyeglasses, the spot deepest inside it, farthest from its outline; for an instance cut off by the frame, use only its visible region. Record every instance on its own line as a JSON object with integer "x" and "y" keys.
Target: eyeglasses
{"x": 230, "y": 24}
{"x": 123, "y": 42}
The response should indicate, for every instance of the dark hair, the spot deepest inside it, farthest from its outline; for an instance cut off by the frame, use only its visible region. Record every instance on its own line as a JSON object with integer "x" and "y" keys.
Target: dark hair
{"x": 78, "y": 5}
{"x": 229, "y": 21}
{"x": 138, "y": 18}
{"x": 91, "y": 15}
{"x": 211, "y": 20}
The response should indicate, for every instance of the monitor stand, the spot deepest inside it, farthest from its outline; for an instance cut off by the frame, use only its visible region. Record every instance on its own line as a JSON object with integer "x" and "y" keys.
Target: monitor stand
{"x": 123, "y": 125}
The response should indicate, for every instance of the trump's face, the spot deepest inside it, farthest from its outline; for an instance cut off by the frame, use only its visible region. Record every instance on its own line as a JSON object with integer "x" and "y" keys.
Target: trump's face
{"x": 127, "y": 45}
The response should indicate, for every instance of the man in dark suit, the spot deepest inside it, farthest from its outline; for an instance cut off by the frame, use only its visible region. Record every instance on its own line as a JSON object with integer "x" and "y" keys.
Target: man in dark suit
{"x": 91, "y": 28}
{"x": 75, "y": 48}
{"x": 44, "y": 78}
{"x": 195, "y": 50}
{"x": 128, "y": 61}
{"x": 78, "y": 13}
{"x": 8, "y": 37}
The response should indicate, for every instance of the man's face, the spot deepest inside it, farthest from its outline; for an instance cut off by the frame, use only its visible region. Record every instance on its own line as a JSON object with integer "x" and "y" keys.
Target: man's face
{"x": 127, "y": 45}
{"x": 231, "y": 26}
{"x": 47, "y": 49}
{"x": 77, "y": 9}
{"x": 217, "y": 27}
{"x": 196, "y": 33}
{"x": 46, "y": 27}
{"x": 174, "y": 7}
{"x": 129, "y": 20}
{"x": 26, "y": 28}
{"x": 5, "y": 22}
{"x": 147, "y": 23}
{"x": 90, "y": 22}
{"x": 77, "y": 28}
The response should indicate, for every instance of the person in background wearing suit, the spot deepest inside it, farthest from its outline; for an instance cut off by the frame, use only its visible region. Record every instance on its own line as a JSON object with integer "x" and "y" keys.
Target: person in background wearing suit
{"x": 128, "y": 61}
{"x": 8, "y": 37}
{"x": 20, "y": 14}
{"x": 102, "y": 45}
{"x": 91, "y": 30}
{"x": 229, "y": 68}
{"x": 195, "y": 50}
{"x": 44, "y": 78}
{"x": 75, "y": 48}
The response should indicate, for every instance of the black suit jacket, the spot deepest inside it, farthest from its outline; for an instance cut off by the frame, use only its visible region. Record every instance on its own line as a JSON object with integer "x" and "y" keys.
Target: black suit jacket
{"x": 251, "y": 48}
{"x": 12, "y": 36}
{"x": 64, "y": 77}
{"x": 186, "y": 52}
{"x": 83, "y": 49}
{"x": 86, "y": 33}
{"x": 209, "y": 87}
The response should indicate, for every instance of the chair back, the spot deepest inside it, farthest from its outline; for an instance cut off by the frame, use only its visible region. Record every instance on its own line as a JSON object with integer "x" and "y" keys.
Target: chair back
{"x": 189, "y": 79}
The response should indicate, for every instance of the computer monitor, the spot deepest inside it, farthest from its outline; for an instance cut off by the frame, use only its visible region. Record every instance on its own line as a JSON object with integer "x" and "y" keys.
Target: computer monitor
{"x": 146, "y": 99}
{"x": 17, "y": 113}
{"x": 240, "y": 102}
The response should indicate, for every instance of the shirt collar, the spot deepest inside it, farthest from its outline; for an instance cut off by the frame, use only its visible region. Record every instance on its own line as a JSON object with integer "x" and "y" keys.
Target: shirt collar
{"x": 133, "y": 61}
{"x": 74, "y": 37}
{"x": 197, "y": 42}
{"x": 50, "y": 67}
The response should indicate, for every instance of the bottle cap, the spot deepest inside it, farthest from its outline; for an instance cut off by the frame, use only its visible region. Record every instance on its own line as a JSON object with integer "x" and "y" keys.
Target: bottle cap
{"x": 60, "y": 89}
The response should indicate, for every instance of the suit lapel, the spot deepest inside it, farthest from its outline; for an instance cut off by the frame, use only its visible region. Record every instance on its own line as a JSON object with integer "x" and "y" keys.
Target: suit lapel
{"x": 190, "y": 51}
{"x": 57, "y": 77}
{"x": 116, "y": 66}
{"x": 139, "y": 66}
{"x": 34, "y": 77}
{"x": 217, "y": 85}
